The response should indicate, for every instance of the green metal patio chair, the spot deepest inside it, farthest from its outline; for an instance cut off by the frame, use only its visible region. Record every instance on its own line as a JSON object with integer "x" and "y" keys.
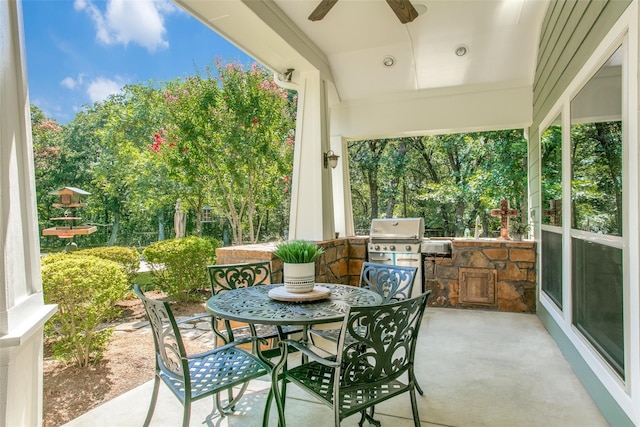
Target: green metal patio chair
{"x": 373, "y": 364}
{"x": 393, "y": 283}
{"x": 193, "y": 377}
{"x": 224, "y": 277}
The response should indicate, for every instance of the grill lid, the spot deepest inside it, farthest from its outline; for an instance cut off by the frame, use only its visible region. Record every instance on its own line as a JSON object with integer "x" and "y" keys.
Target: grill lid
{"x": 397, "y": 229}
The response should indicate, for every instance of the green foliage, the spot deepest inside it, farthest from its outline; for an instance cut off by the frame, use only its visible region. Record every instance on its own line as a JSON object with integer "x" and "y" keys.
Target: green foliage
{"x": 144, "y": 279}
{"x": 446, "y": 179}
{"x": 596, "y": 182}
{"x": 223, "y": 139}
{"x": 86, "y": 289}
{"x": 180, "y": 265}
{"x": 298, "y": 251}
{"x": 128, "y": 258}
{"x": 46, "y": 156}
{"x": 517, "y": 226}
{"x": 229, "y": 142}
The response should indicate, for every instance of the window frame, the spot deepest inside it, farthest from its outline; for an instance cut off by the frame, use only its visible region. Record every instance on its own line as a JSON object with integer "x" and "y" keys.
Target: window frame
{"x": 623, "y": 34}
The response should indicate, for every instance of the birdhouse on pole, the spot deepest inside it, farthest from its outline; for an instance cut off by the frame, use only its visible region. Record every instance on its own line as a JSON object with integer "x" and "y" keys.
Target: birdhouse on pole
{"x": 70, "y": 197}
{"x": 70, "y": 200}
{"x": 205, "y": 214}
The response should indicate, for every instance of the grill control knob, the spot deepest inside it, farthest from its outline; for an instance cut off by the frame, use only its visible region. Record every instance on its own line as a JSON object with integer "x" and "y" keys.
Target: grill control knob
{"x": 392, "y": 247}
{"x": 408, "y": 248}
{"x": 377, "y": 247}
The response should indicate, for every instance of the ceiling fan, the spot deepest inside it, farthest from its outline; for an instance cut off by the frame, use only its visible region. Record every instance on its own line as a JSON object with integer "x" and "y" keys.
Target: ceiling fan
{"x": 403, "y": 9}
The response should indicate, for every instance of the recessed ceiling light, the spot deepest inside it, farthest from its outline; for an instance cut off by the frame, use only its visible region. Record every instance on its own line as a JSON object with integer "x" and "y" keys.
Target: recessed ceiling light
{"x": 461, "y": 50}
{"x": 389, "y": 61}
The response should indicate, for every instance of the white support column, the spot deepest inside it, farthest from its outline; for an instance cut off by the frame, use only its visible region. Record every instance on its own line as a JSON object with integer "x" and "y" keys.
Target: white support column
{"x": 342, "y": 189}
{"x": 22, "y": 308}
{"x": 312, "y": 216}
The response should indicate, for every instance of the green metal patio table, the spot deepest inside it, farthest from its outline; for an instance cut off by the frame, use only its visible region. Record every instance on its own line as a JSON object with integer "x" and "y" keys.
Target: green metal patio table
{"x": 254, "y": 306}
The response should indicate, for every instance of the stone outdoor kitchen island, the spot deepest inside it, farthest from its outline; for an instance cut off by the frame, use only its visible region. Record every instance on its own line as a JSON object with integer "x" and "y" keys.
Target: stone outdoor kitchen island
{"x": 484, "y": 273}
{"x": 491, "y": 274}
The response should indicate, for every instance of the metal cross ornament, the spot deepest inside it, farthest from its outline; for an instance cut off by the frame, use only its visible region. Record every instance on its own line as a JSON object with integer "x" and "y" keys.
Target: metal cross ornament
{"x": 504, "y": 213}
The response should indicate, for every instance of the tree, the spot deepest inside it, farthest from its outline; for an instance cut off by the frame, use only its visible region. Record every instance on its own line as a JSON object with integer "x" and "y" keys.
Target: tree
{"x": 447, "y": 179}
{"x": 367, "y": 156}
{"x": 229, "y": 141}
{"x": 46, "y": 135}
{"x": 596, "y": 183}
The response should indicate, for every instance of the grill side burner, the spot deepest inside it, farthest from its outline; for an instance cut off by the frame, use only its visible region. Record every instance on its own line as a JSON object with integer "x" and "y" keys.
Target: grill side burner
{"x": 436, "y": 248}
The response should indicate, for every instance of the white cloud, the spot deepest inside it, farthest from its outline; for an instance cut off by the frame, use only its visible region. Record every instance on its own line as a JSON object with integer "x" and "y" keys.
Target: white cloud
{"x": 130, "y": 21}
{"x": 102, "y": 32}
{"x": 71, "y": 83}
{"x": 100, "y": 88}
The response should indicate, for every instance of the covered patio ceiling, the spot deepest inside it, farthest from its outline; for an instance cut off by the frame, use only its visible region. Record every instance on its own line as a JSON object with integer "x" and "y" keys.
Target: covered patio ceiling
{"x": 489, "y": 87}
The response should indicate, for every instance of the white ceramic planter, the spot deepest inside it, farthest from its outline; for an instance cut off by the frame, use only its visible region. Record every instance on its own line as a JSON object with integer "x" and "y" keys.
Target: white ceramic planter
{"x": 299, "y": 278}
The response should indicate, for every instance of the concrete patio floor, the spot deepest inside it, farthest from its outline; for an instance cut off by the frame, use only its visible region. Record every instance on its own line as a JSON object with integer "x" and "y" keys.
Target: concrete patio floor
{"x": 477, "y": 368}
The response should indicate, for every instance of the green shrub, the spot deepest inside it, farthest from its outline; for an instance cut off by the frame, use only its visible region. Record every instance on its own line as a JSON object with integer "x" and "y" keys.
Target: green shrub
{"x": 179, "y": 266}
{"x": 86, "y": 289}
{"x": 128, "y": 258}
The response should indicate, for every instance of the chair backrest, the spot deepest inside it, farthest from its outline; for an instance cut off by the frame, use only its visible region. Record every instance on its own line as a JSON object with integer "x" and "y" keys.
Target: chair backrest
{"x": 224, "y": 277}
{"x": 385, "y": 347}
{"x": 170, "y": 352}
{"x": 392, "y": 282}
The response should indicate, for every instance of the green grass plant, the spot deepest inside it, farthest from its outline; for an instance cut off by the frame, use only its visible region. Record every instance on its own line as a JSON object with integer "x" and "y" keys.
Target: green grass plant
{"x": 298, "y": 251}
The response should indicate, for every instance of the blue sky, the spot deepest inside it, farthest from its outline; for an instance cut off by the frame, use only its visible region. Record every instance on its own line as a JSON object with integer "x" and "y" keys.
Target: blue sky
{"x": 81, "y": 51}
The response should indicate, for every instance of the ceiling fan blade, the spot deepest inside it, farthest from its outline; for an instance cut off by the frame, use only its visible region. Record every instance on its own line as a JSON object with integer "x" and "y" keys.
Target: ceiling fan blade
{"x": 404, "y": 10}
{"x": 322, "y": 9}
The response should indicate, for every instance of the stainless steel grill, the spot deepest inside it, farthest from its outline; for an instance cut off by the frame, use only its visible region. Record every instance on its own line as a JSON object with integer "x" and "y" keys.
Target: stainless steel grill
{"x": 397, "y": 241}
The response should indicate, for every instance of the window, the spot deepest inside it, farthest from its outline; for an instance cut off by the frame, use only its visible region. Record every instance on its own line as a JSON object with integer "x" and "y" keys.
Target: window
{"x": 596, "y": 212}
{"x": 597, "y": 298}
{"x": 551, "y": 259}
{"x": 596, "y": 152}
{"x": 551, "y": 235}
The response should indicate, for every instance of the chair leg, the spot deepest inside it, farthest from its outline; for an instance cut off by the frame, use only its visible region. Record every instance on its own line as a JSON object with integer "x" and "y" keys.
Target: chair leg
{"x": 372, "y": 420}
{"x": 368, "y": 417}
{"x": 267, "y": 409}
{"x": 231, "y": 403}
{"x": 279, "y": 395}
{"x": 363, "y": 417}
{"x": 414, "y": 407}
{"x": 412, "y": 375}
{"x": 187, "y": 413}
{"x": 152, "y": 404}
{"x": 281, "y": 402}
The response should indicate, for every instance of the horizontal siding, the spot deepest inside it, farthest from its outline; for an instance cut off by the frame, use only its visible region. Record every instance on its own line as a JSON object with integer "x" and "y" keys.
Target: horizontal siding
{"x": 548, "y": 24}
{"x": 567, "y": 53}
{"x": 566, "y": 43}
{"x": 551, "y": 46}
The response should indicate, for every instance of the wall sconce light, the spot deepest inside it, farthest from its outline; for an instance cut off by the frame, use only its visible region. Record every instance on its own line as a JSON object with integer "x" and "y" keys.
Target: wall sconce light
{"x": 330, "y": 159}
{"x": 288, "y": 74}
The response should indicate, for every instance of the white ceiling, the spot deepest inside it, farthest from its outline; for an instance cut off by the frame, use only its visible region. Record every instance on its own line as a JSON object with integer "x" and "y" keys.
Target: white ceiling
{"x": 501, "y": 37}
{"x": 350, "y": 43}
